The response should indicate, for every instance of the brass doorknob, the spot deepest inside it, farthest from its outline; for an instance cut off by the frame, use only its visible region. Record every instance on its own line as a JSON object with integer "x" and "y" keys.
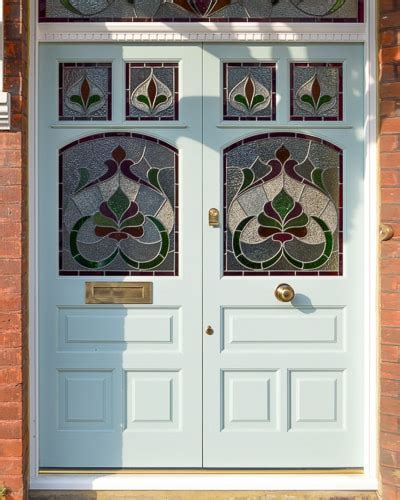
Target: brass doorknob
{"x": 284, "y": 293}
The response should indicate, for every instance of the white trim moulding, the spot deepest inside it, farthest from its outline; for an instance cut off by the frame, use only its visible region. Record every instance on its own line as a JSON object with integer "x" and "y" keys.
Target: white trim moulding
{"x": 201, "y": 32}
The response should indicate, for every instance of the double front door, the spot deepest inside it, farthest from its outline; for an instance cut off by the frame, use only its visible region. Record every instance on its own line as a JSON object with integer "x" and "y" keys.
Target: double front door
{"x": 200, "y": 256}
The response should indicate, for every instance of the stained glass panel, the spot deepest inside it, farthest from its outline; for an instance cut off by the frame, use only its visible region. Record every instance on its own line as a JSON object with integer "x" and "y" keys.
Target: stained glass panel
{"x": 202, "y": 10}
{"x": 152, "y": 91}
{"x": 85, "y": 91}
{"x": 283, "y": 206}
{"x": 316, "y": 91}
{"x": 118, "y": 206}
{"x": 249, "y": 91}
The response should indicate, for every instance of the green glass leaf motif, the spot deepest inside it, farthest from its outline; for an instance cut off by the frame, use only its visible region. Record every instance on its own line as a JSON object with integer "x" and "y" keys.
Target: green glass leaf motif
{"x": 159, "y": 100}
{"x": 248, "y": 178}
{"x": 143, "y": 99}
{"x": 241, "y": 100}
{"x": 283, "y": 204}
{"x": 325, "y": 99}
{"x": 336, "y": 6}
{"x": 93, "y": 99}
{"x": 258, "y": 99}
{"x": 153, "y": 178}
{"x": 266, "y": 221}
{"x": 77, "y": 99}
{"x": 308, "y": 100}
{"x": 317, "y": 178}
{"x": 101, "y": 220}
{"x": 300, "y": 221}
{"x": 137, "y": 220}
{"x": 84, "y": 176}
{"x": 119, "y": 203}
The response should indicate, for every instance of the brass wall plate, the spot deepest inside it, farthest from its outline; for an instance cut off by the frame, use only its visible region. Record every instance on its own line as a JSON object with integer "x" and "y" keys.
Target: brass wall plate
{"x": 102, "y": 292}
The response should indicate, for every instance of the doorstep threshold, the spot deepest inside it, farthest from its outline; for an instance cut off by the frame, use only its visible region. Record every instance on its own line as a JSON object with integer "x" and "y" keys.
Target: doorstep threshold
{"x": 101, "y": 471}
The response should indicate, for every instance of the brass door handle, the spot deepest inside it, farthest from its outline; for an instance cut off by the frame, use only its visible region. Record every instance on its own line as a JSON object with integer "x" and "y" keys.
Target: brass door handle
{"x": 284, "y": 293}
{"x": 213, "y": 217}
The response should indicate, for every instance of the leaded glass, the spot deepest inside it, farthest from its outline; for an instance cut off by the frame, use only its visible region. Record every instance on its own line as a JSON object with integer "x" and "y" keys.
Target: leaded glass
{"x": 118, "y": 206}
{"x": 283, "y": 206}
{"x": 202, "y": 10}
{"x": 249, "y": 91}
{"x": 85, "y": 91}
{"x": 316, "y": 91}
{"x": 152, "y": 91}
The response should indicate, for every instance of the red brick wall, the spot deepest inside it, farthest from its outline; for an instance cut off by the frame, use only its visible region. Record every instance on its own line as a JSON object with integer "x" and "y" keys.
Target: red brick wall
{"x": 390, "y": 250}
{"x": 13, "y": 258}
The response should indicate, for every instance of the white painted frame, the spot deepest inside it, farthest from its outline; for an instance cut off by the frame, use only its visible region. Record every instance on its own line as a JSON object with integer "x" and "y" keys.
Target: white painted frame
{"x": 208, "y": 32}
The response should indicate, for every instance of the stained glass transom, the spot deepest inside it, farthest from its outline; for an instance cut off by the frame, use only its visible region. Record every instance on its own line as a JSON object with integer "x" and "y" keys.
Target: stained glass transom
{"x": 316, "y": 91}
{"x": 118, "y": 206}
{"x": 249, "y": 91}
{"x": 85, "y": 91}
{"x": 202, "y": 10}
{"x": 152, "y": 91}
{"x": 283, "y": 206}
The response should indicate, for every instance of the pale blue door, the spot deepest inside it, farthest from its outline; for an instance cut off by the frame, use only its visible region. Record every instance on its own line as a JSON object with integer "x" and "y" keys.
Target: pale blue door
{"x": 136, "y": 143}
{"x": 283, "y": 162}
{"x": 119, "y": 170}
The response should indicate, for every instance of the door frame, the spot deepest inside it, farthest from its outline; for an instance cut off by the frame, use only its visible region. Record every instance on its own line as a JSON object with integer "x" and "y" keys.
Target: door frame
{"x": 236, "y": 33}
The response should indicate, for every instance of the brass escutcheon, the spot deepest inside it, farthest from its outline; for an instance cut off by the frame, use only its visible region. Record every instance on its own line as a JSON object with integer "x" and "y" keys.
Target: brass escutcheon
{"x": 284, "y": 293}
{"x": 210, "y": 330}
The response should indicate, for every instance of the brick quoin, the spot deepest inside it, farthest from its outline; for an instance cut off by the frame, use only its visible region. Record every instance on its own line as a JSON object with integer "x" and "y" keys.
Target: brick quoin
{"x": 389, "y": 89}
{"x": 13, "y": 258}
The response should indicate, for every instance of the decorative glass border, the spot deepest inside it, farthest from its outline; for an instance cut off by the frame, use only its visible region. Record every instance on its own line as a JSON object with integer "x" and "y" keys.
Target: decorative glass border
{"x": 43, "y": 18}
{"x": 60, "y": 213}
{"x": 308, "y": 64}
{"x": 340, "y": 207}
{"x": 61, "y": 91}
{"x": 129, "y": 90}
{"x": 272, "y": 116}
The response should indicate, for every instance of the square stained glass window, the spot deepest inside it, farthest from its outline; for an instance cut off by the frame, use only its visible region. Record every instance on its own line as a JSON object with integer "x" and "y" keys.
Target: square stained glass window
{"x": 249, "y": 91}
{"x": 152, "y": 91}
{"x": 316, "y": 91}
{"x": 332, "y": 11}
{"x": 118, "y": 211}
{"x": 283, "y": 204}
{"x": 85, "y": 91}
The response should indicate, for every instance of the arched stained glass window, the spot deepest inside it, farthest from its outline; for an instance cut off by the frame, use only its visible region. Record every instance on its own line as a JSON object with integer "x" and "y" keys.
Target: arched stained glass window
{"x": 118, "y": 206}
{"x": 283, "y": 206}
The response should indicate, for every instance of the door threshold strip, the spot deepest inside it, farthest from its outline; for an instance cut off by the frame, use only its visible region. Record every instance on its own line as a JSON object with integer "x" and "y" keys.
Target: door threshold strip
{"x": 202, "y": 471}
